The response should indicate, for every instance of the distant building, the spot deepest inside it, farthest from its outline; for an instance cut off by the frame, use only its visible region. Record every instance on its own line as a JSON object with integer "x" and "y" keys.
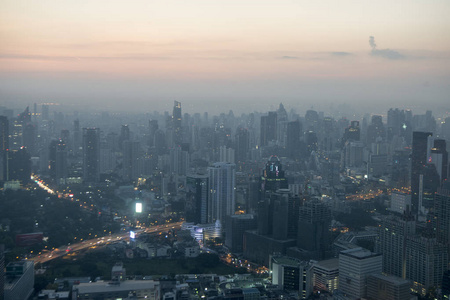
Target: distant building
{"x": 268, "y": 128}
{"x": 91, "y": 155}
{"x": 400, "y": 202}
{"x": 19, "y": 280}
{"x": 418, "y": 162}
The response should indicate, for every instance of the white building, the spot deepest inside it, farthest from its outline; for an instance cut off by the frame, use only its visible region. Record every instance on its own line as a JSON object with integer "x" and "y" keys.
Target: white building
{"x": 400, "y": 201}
{"x": 355, "y": 265}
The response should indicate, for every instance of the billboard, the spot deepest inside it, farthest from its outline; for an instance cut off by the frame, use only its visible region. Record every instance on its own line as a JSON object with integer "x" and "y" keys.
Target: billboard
{"x": 138, "y": 207}
{"x": 28, "y": 239}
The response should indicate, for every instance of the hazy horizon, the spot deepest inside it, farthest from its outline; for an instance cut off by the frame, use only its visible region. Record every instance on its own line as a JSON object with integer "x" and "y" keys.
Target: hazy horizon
{"x": 221, "y": 55}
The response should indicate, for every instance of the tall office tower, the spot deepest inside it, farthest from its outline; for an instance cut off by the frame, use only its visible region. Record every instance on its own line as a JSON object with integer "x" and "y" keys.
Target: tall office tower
{"x": 445, "y": 291}
{"x": 18, "y": 165}
{"x": 4, "y": 145}
{"x": 77, "y": 142}
{"x": 354, "y": 154}
{"x": 401, "y": 165}
{"x": 124, "y": 135}
{"x": 445, "y": 128}
{"x": 234, "y": 231}
{"x": 293, "y": 139}
{"x": 391, "y": 243}
{"x": 91, "y": 155}
{"x": 268, "y": 128}
{"x": 242, "y": 144}
{"x": 282, "y": 121}
{"x": 418, "y": 162}
{"x": 222, "y": 182}
{"x": 442, "y": 214}
{"x": 397, "y": 125}
{"x": 427, "y": 259}
{"x": 280, "y": 211}
{"x": 131, "y": 153}
{"x": 313, "y": 229}
{"x": 355, "y": 265}
{"x": 273, "y": 176}
{"x": 176, "y": 124}
{"x": 353, "y": 132}
{"x": 197, "y": 195}
{"x": 61, "y": 162}
{"x": 328, "y": 134}
{"x": 376, "y": 130}
{"x": 152, "y": 127}
{"x": 439, "y": 158}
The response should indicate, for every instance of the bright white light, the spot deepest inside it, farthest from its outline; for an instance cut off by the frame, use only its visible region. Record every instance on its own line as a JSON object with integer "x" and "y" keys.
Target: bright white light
{"x": 138, "y": 207}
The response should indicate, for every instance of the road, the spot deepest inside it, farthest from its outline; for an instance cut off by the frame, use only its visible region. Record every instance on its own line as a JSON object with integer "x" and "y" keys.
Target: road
{"x": 64, "y": 250}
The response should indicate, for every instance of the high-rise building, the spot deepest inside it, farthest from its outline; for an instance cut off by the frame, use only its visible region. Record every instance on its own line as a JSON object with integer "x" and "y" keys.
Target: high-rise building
{"x": 353, "y": 132}
{"x": 313, "y": 229}
{"x": 268, "y": 128}
{"x": 442, "y": 214}
{"x": 355, "y": 265}
{"x": 197, "y": 194}
{"x": 427, "y": 259}
{"x": 18, "y": 163}
{"x": 439, "y": 158}
{"x": 61, "y": 162}
{"x": 293, "y": 139}
{"x": 222, "y": 182}
{"x": 273, "y": 175}
{"x": 242, "y": 144}
{"x": 392, "y": 241}
{"x": 131, "y": 155}
{"x": 236, "y": 225}
{"x": 388, "y": 287}
{"x": 176, "y": 124}
{"x": 91, "y": 155}
{"x": 418, "y": 162}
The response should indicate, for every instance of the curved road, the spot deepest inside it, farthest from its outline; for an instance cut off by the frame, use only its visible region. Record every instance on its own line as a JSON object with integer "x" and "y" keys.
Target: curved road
{"x": 63, "y": 250}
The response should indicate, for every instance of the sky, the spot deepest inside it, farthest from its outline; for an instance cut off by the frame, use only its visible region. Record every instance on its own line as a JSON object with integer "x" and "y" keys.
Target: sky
{"x": 219, "y": 55}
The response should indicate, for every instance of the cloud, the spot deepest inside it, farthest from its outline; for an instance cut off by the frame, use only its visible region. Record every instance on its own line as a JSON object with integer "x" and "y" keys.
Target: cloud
{"x": 341, "y": 53}
{"x": 78, "y": 58}
{"x": 384, "y": 53}
{"x": 289, "y": 57}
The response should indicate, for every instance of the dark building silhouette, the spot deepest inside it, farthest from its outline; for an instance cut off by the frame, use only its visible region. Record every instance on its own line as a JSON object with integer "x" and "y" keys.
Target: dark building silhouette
{"x": 293, "y": 139}
{"x": 176, "y": 124}
{"x": 418, "y": 162}
{"x": 313, "y": 229}
{"x": 273, "y": 176}
{"x": 61, "y": 162}
{"x": 91, "y": 155}
{"x": 376, "y": 130}
{"x": 18, "y": 165}
{"x": 153, "y": 126}
{"x": 236, "y": 225}
{"x": 353, "y": 132}
{"x": 268, "y": 128}
{"x": 242, "y": 144}
{"x": 439, "y": 158}
{"x": 197, "y": 199}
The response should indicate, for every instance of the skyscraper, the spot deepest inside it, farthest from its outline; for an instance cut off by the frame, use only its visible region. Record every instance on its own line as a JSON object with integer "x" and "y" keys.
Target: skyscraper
{"x": 418, "y": 162}
{"x": 294, "y": 134}
{"x": 222, "y": 182}
{"x": 268, "y": 128}
{"x": 176, "y": 124}
{"x": 197, "y": 195}
{"x": 91, "y": 155}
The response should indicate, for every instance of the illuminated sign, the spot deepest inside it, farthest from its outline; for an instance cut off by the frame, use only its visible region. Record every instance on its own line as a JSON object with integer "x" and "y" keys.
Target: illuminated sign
{"x": 138, "y": 207}
{"x": 132, "y": 235}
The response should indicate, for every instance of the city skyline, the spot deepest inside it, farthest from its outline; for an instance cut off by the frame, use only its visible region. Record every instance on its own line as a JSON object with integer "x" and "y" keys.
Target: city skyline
{"x": 240, "y": 55}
